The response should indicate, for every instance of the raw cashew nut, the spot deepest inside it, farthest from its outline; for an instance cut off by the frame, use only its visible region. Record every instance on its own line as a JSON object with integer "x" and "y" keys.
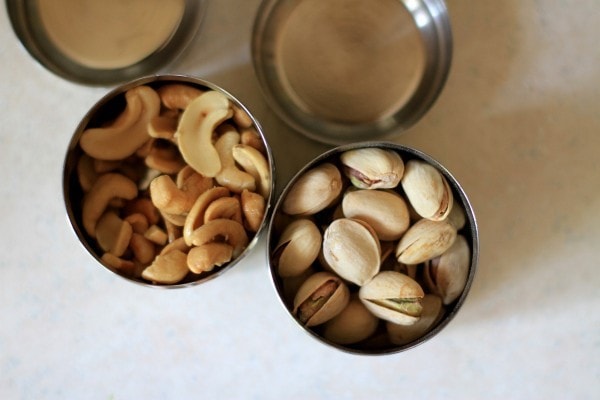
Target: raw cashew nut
{"x": 253, "y": 162}
{"x": 251, "y": 138}
{"x": 223, "y": 230}
{"x": 125, "y": 267}
{"x": 129, "y": 132}
{"x": 165, "y": 159}
{"x": 168, "y": 198}
{"x": 177, "y": 96}
{"x": 224, "y": 207}
{"x": 177, "y": 244}
{"x": 138, "y": 222}
{"x": 155, "y": 234}
{"x": 164, "y": 126}
{"x": 107, "y": 187}
{"x": 230, "y": 175}
{"x": 113, "y": 234}
{"x": 195, "y": 217}
{"x": 253, "y": 208}
{"x": 208, "y": 256}
{"x": 241, "y": 118}
{"x": 145, "y": 207}
{"x": 195, "y": 130}
{"x": 142, "y": 248}
{"x": 168, "y": 268}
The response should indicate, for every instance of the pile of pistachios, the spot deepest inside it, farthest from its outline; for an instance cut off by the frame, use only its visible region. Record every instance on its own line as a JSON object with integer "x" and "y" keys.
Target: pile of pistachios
{"x": 368, "y": 249}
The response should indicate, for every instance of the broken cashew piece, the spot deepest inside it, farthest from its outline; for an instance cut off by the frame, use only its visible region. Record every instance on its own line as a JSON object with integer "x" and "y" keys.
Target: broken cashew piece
{"x": 195, "y": 217}
{"x": 164, "y": 126}
{"x": 208, "y": 256}
{"x": 106, "y": 188}
{"x": 230, "y": 175}
{"x": 168, "y": 268}
{"x": 113, "y": 234}
{"x": 126, "y": 267}
{"x": 253, "y": 162}
{"x": 142, "y": 248}
{"x": 130, "y": 130}
{"x": 224, "y": 207}
{"x": 177, "y": 96}
{"x": 253, "y": 208}
{"x": 196, "y": 126}
{"x": 165, "y": 159}
{"x": 168, "y": 198}
{"x": 223, "y": 230}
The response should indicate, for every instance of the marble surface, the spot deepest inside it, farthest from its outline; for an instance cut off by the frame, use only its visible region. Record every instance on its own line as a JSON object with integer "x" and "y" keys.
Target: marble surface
{"x": 518, "y": 124}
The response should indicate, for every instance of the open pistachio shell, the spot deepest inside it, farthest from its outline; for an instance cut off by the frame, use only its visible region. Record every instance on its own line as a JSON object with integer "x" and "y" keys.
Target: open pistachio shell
{"x": 352, "y": 250}
{"x": 320, "y": 298}
{"x": 314, "y": 191}
{"x": 427, "y": 190}
{"x": 425, "y": 240}
{"x": 373, "y": 168}
{"x": 298, "y": 247}
{"x": 432, "y": 311}
{"x": 385, "y": 211}
{"x": 394, "y": 297}
{"x": 353, "y": 324}
{"x": 447, "y": 274}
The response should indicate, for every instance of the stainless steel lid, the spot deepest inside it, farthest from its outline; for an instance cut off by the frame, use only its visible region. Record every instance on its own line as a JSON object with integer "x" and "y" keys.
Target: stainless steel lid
{"x": 351, "y": 70}
{"x": 105, "y": 43}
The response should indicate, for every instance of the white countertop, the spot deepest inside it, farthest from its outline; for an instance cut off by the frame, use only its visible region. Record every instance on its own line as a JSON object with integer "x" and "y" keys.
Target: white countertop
{"x": 518, "y": 124}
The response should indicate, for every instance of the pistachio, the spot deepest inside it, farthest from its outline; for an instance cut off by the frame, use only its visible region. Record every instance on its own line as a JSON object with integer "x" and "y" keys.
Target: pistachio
{"x": 385, "y": 211}
{"x": 431, "y": 314}
{"x": 314, "y": 191}
{"x": 373, "y": 168}
{"x": 321, "y": 297}
{"x": 427, "y": 190}
{"x": 352, "y": 250}
{"x": 425, "y": 240}
{"x": 353, "y": 324}
{"x": 298, "y": 248}
{"x": 457, "y": 216}
{"x": 447, "y": 274}
{"x": 394, "y": 297}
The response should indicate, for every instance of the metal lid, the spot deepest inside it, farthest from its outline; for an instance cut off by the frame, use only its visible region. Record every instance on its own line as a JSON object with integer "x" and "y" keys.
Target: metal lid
{"x": 351, "y": 70}
{"x": 108, "y": 42}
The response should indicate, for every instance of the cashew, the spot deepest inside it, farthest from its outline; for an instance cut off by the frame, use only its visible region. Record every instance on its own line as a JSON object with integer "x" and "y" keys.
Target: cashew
{"x": 113, "y": 234}
{"x": 165, "y": 159}
{"x": 177, "y": 244}
{"x": 196, "y": 215}
{"x": 125, "y": 267}
{"x": 142, "y": 248}
{"x": 225, "y": 230}
{"x": 156, "y": 235}
{"x": 129, "y": 132}
{"x": 107, "y": 187}
{"x": 195, "y": 130}
{"x": 145, "y": 207}
{"x": 241, "y": 118}
{"x": 103, "y": 166}
{"x": 225, "y": 207}
{"x": 86, "y": 173}
{"x": 177, "y": 96}
{"x": 251, "y": 138}
{"x": 253, "y": 162}
{"x": 230, "y": 175}
{"x": 208, "y": 256}
{"x": 193, "y": 183}
{"x": 253, "y": 208}
{"x": 138, "y": 222}
{"x": 164, "y": 126}
{"x": 174, "y": 232}
{"x": 168, "y": 268}
{"x": 175, "y": 219}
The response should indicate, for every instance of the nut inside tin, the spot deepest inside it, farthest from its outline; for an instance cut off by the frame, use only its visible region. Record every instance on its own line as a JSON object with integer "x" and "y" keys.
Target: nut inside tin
{"x": 364, "y": 70}
{"x": 378, "y": 343}
{"x": 108, "y": 108}
{"x": 51, "y": 48}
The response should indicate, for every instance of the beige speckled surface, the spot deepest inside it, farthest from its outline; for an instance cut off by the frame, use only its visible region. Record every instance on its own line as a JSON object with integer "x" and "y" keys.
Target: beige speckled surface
{"x": 518, "y": 124}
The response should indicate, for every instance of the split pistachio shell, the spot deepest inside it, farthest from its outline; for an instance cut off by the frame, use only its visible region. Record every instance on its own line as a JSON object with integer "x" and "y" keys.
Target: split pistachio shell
{"x": 385, "y": 211}
{"x": 394, "y": 297}
{"x": 353, "y": 324}
{"x": 352, "y": 250}
{"x": 427, "y": 190}
{"x": 320, "y": 298}
{"x": 431, "y": 314}
{"x": 373, "y": 168}
{"x": 298, "y": 248}
{"x": 447, "y": 274}
{"x": 457, "y": 216}
{"x": 425, "y": 240}
{"x": 314, "y": 191}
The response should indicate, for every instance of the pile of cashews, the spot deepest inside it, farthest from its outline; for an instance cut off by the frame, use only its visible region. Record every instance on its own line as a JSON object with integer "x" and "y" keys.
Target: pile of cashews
{"x": 175, "y": 185}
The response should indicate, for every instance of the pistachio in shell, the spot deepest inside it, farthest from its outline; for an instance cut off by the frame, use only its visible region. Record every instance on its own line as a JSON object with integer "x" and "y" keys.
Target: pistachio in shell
{"x": 431, "y": 314}
{"x": 351, "y": 249}
{"x": 373, "y": 168}
{"x": 320, "y": 298}
{"x": 425, "y": 240}
{"x": 354, "y": 324}
{"x": 447, "y": 274}
{"x": 427, "y": 190}
{"x": 314, "y": 191}
{"x": 394, "y": 297}
{"x": 385, "y": 211}
{"x": 298, "y": 247}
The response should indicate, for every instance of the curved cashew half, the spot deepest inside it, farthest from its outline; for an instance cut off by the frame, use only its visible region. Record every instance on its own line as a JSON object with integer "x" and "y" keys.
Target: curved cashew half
{"x": 241, "y": 118}
{"x": 230, "y": 175}
{"x": 251, "y": 138}
{"x": 208, "y": 256}
{"x": 138, "y": 222}
{"x": 253, "y": 208}
{"x": 253, "y": 162}
{"x": 107, "y": 187}
{"x": 165, "y": 159}
{"x": 144, "y": 206}
{"x": 195, "y": 217}
{"x": 168, "y": 268}
{"x": 177, "y": 96}
{"x": 164, "y": 126}
{"x": 223, "y": 230}
{"x": 177, "y": 244}
{"x": 195, "y": 130}
{"x": 224, "y": 207}
{"x": 113, "y": 234}
{"x": 142, "y": 248}
{"x": 129, "y": 132}
{"x": 125, "y": 267}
